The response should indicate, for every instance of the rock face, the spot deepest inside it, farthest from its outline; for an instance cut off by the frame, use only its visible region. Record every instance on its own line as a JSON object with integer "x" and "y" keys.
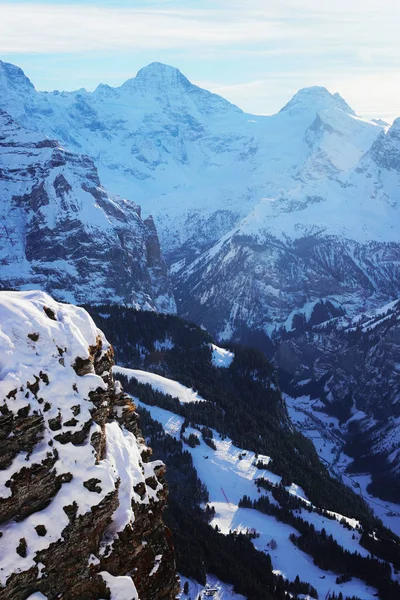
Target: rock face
{"x": 62, "y": 232}
{"x": 80, "y": 503}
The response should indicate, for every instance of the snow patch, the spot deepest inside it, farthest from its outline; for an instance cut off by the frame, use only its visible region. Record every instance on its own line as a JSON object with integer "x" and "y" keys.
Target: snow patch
{"x": 121, "y": 588}
{"x": 221, "y": 357}
{"x": 162, "y": 384}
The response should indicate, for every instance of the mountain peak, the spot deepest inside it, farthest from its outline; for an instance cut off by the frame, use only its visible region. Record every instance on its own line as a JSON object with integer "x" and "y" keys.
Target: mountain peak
{"x": 13, "y": 78}
{"x": 157, "y": 75}
{"x": 395, "y": 126}
{"x": 157, "y": 68}
{"x": 169, "y": 86}
{"x": 316, "y": 98}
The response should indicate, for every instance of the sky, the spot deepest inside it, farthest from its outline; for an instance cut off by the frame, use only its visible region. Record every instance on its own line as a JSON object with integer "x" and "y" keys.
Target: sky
{"x": 255, "y": 53}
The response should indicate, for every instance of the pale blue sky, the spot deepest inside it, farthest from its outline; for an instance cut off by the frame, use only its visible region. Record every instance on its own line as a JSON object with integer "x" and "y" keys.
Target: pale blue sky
{"x": 256, "y": 53}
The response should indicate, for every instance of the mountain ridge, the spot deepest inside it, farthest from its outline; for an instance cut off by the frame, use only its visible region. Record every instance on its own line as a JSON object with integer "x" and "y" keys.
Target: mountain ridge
{"x": 53, "y": 204}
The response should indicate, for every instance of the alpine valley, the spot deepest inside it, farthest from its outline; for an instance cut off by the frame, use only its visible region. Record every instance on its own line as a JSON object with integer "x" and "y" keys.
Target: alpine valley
{"x": 246, "y": 270}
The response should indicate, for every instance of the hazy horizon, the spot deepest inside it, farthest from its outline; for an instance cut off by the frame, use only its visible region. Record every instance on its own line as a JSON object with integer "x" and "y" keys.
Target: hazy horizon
{"x": 256, "y": 54}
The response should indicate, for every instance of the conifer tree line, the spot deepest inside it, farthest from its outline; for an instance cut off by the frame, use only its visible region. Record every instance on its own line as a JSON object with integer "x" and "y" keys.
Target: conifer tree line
{"x": 244, "y": 403}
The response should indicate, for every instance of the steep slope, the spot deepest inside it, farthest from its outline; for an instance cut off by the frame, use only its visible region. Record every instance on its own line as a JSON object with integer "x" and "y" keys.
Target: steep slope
{"x": 62, "y": 232}
{"x": 327, "y": 241}
{"x": 80, "y": 504}
{"x": 190, "y": 158}
{"x": 260, "y": 480}
{"x": 243, "y": 400}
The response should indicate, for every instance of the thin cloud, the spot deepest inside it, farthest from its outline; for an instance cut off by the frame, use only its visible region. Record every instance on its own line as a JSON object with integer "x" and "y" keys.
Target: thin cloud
{"x": 66, "y": 28}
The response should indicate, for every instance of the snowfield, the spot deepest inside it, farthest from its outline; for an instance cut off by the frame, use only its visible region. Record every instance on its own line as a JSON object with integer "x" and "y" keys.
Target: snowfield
{"x": 162, "y": 384}
{"x": 228, "y": 478}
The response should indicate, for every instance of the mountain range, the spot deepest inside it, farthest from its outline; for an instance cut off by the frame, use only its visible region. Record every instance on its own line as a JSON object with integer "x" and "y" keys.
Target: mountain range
{"x": 279, "y": 231}
{"x": 297, "y": 207}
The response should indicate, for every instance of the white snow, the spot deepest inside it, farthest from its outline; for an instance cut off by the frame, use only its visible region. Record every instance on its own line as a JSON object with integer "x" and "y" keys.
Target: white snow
{"x": 157, "y": 562}
{"x": 121, "y": 588}
{"x": 162, "y": 384}
{"x": 123, "y": 456}
{"x": 221, "y": 357}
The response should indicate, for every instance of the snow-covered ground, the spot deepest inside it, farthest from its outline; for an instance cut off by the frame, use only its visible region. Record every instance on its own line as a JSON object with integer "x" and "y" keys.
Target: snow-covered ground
{"x": 229, "y": 473}
{"x": 162, "y": 384}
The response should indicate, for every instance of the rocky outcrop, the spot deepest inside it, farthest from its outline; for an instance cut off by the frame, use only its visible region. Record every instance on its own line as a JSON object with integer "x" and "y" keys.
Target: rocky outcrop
{"x": 81, "y": 503}
{"x": 63, "y": 233}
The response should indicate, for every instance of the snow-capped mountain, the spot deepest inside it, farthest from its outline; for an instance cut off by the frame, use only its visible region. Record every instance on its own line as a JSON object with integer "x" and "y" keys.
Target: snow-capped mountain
{"x": 271, "y": 222}
{"x": 61, "y": 231}
{"x": 189, "y": 157}
{"x": 335, "y": 239}
{"x": 80, "y": 503}
{"x": 263, "y": 216}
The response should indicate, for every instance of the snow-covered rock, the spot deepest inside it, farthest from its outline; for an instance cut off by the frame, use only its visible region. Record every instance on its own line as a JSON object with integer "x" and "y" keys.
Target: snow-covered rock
{"x": 62, "y": 232}
{"x": 78, "y": 497}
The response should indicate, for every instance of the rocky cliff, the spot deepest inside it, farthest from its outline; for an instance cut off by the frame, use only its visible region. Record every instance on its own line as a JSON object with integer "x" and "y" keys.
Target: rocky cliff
{"x": 62, "y": 232}
{"x": 81, "y": 502}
